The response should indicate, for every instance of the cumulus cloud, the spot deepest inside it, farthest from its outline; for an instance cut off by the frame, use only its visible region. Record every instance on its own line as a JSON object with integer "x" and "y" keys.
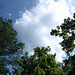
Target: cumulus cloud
{"x": 34, "y": 26}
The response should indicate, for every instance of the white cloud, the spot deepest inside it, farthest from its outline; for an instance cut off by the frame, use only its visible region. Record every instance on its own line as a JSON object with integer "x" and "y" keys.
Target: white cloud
{"x": 34, "y": 26}
{"x": 9, "y": 14}
{"x": 73, "y": 9}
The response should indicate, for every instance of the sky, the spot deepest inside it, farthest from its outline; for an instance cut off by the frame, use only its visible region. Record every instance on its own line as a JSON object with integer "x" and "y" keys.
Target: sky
{"x": 34, "y": 19}
{"x": 12, "y": 8}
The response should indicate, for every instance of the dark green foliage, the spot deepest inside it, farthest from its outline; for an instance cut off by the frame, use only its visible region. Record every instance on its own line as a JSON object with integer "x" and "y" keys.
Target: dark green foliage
{"x": 8, "y": 40}
{"x": 3, "y": 68}
{"x": 8, "y": 44}
{"x": 40, "y": 63}
{"x": 69, "y": 65}
{"x": 67, "y": 32}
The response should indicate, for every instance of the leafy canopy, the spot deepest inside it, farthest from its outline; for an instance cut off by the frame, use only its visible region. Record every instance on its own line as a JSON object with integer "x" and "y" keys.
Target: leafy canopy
{"x": 67, "y": 31}
{"x": 40, "y": 63}
{"x": 8, "y": 44}
{"x": 8, "y": 40}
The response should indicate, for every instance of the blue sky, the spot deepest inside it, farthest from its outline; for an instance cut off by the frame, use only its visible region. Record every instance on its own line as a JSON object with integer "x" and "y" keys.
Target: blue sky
{"x": 34, "y": 19}
{"x": 11, "y": 8}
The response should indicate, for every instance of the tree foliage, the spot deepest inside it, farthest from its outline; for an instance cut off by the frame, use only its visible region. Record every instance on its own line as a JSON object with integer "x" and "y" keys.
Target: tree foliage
{"x": 69, "y": 65}
{"x": 40, "y": 63}
{"x": 8, "y": 43}
{"x": 67, "y": 31}
{"x": 8, "y": 40}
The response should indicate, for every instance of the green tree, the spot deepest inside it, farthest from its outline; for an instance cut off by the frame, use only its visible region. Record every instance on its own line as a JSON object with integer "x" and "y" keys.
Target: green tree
{"x": 67, "y": 31}
{"x": 69, "y": 65}
{"x": 8, "y": 44}
{"x": 40, "y": 63}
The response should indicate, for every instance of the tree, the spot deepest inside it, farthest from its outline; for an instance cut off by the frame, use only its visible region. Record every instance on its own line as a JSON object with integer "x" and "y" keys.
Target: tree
{"x": 67, "y": 31}
{"x": 8, "y": 43}
{"x": 69, "y": 65}
{"x": 40, "y": 63}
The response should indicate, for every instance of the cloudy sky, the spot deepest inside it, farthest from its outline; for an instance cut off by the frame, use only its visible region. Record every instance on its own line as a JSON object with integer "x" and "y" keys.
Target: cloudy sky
{"x": 34, "y": 19}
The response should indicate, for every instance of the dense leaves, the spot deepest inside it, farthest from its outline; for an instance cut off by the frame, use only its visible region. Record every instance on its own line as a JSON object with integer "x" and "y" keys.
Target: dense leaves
{"x": 67, "y": 31}
{"x": 8, "y": 44}
{"x": 40, "y": 63}
{"x": 69, "y": 65}
{"x": 8, "y": 40}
